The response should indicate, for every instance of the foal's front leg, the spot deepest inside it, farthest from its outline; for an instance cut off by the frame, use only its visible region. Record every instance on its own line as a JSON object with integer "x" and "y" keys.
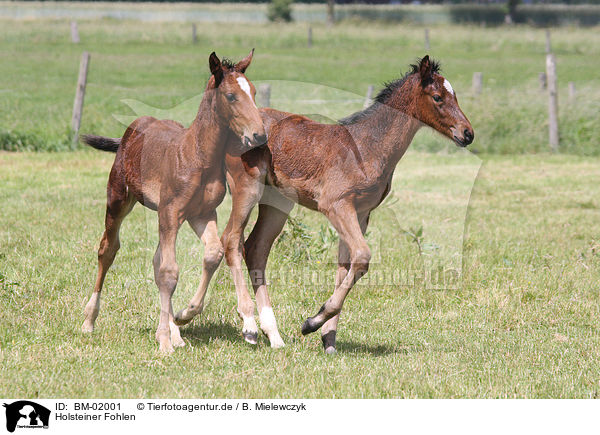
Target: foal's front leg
{"x": 345, "y": 220}
{"x": 206, "y": 229}
{"x": 166, "y": 274}
{"x": 245, "y": 193}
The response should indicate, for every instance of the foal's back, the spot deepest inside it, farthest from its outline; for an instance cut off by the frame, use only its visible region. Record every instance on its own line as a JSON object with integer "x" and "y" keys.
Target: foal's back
{"x": 325, "y": 165}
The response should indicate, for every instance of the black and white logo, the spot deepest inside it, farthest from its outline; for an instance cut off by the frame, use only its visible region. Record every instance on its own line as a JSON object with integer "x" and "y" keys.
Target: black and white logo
{"x": 26, "y": 415}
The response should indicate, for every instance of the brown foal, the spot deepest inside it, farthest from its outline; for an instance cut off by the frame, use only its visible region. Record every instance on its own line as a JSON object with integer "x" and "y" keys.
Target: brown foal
{"x": 179, "y": 172}
{"x": 343, "y": 170}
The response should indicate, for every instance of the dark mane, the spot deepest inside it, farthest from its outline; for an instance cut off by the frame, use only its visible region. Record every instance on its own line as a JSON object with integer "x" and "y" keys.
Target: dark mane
{"x": 386, "y": 93}
{"x": 227, "y": 63}
{"x": 435, "y": 67}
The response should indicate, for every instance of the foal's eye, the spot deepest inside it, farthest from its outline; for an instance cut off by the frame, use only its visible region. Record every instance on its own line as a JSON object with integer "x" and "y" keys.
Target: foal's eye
{"x": 437, "y": 98}
{"x": 230, "y": 97}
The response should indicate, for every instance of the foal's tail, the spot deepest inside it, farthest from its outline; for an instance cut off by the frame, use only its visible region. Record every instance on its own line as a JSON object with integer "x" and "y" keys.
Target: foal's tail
{"x": 102, "y": 143}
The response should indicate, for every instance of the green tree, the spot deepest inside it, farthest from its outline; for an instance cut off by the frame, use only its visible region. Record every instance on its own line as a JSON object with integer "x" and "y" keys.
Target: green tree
{"x": 280, "y": 10}
{"x": 511, "y": 6}
{"x": 330, "y": 12}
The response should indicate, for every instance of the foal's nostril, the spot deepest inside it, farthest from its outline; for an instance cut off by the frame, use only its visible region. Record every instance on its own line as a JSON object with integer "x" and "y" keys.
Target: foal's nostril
{"x": 468, "y": 135}
{"x": 260, "y": 138}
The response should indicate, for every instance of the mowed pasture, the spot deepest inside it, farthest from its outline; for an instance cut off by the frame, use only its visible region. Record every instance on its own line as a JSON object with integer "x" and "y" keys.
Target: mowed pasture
{"x": 523, "y": 322}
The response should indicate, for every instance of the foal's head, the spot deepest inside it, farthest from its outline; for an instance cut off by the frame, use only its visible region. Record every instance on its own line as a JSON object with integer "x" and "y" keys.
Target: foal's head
{"x": 235, "y": 104}
{"x": 436, "y": 103}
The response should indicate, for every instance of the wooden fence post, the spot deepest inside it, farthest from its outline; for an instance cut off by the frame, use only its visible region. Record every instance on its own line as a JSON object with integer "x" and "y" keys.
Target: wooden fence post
{"x": 74, "y": 33}
{"x": 264, "y": 95}
{"x": 194, "y": 34}
{"x": 309, "y": 36}
{"x": 427, "y": 46}
{"x": 543, "y": 81}
{"x": 369, "y": 96}
{"x": 552, "y": 101}
{"x": 80, "y": 95}
{"x": 477, "y": 83}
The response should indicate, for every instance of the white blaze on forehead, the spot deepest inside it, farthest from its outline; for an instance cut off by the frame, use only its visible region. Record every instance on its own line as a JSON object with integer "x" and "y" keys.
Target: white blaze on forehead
{"x": 245, "y": 86}
{"x": 448, "y": 86}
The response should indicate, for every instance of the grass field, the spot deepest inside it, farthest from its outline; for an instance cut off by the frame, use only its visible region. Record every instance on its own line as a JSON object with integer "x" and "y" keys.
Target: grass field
{"x": 523, "y": 321}
{"x": 157, "y": 64}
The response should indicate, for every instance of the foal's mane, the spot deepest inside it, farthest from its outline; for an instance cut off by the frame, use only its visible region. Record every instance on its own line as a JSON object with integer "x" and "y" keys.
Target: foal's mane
{"x": 384, "y": 96}
{"x": 227, "y": 63}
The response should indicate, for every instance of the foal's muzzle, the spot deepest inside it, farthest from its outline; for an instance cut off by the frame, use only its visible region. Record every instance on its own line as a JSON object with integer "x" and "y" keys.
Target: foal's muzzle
{"x": 258, "y": 139}
{"x": 467, "y": 137}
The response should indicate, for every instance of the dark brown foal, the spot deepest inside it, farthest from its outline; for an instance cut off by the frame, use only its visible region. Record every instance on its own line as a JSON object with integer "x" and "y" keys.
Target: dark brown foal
{"x": 179, "y": 172}
{"x": 343, "y": 170}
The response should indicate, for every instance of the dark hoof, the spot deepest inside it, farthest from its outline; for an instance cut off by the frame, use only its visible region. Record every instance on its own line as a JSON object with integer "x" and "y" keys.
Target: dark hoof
{"x": 251, "y": 337}
{"x": 179, "y": 321}
{"x": 309, "y": 326}
{"x": 185, "y": 316}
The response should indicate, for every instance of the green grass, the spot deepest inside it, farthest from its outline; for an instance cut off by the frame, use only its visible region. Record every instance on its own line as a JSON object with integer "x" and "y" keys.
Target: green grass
{"x": 157, "y": 64}
{"x": 523, "y": 322}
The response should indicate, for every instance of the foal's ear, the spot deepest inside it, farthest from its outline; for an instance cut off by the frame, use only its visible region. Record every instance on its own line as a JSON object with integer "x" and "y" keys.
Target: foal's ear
{"x": 243, "y": 64}
{"x": 426, "y": 71}
{"x": 215, "y": 68}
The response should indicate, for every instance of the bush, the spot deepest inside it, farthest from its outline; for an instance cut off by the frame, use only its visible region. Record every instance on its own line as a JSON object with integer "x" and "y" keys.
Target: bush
{"x": 476, "y": 14}
{"x": 280, "y": 10}
{"x": 20, "y": 141}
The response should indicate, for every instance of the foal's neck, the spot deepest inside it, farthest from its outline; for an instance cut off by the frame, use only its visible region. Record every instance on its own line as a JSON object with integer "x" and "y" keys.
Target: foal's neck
{"x": 385, "y": 132}
{"x": 209, "y": 131}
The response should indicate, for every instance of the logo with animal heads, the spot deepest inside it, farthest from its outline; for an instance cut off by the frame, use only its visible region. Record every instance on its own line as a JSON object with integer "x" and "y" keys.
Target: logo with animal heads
{"x": 25, "y": 414}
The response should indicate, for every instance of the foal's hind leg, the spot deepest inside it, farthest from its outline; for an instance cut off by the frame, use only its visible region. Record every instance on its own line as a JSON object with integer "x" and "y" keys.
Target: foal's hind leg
{"x": 329, "y": 328}
{"x": 271, "y": 221}
{"x": 206, "y": 229}
{"x": 343, "y": 217}
{"x": 119, "y": 204}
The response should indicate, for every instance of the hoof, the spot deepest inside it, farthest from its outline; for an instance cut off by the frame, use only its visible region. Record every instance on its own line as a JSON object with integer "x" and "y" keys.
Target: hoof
{"x": 328, "y": 340}
{"x": 179, "y": 319}
{"x": 175, "y": 335}
{"x": 165, "y": 346}
{"x": 87, "y": 328}
{"x": 277, "y": 343}
{"x": 166, "y": 349}
{"x": 178, "y": 343}
{"x": 251, "y": 337}
{"x": 330, "y": 350}
{"x": 309, "y": 326}
{"x": 275, "y": 339}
